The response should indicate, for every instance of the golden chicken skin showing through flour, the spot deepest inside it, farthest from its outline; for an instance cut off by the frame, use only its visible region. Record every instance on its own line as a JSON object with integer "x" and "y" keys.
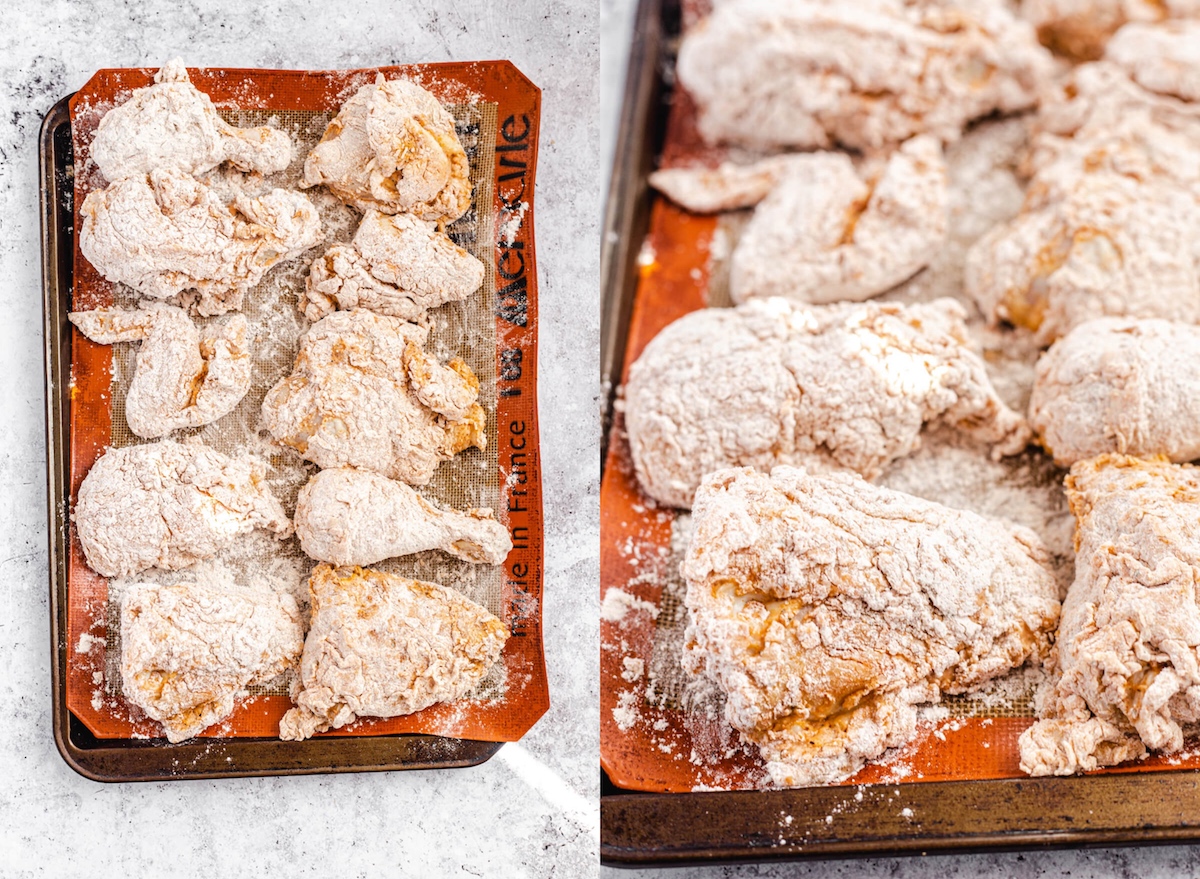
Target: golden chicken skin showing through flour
{"x": 827, "y": 387}
{"x": 190, "y": 650}
{"x": 814, "y": 73}
{"x": 346, "y": 516}
{"x": 397, "y": 265}
{"x": 1127, "y": 671}
{"x": 172, "y": 125}
{"x": 1081, "y": 29}
{"x": 382, "y": 646}
{"x": 393, "y": 148}
{"x": 184, "y": 377}
{"x": 166, "y": 234}
{"x": 1120, "y": 385}
{"x": 363, "y": 393}
{"x": 167, "y": 505}
{"x": 828, "y": 609}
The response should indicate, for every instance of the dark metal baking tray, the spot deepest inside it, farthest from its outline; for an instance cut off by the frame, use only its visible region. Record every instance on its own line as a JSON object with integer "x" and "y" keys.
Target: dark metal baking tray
{"x": 154, "y": 759}
{"x": 645, "y": 829}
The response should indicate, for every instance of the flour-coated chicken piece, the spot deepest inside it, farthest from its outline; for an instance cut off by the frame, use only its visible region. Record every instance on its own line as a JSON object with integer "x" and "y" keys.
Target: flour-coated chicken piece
{"x": 393, "y": 148}
{"x": 1127, "y": 673}
{"x": 728, "y": 187}
{"x": 382, "y": 645}
{"x": 346, "y": 516}
{"x": 772, "y": 382}
{"x": 814, "y": 73}
{"x": 363, "y": 394}
{"x": 1080, "y": 29}
{"x": 172, "y": 125}
{"x": 827, "y": 609}
{"x": 166, "y": 233}
{"x": 1163, "y": 58}
{"x": 190, "y": 650}
{"x": 1113, "y": 245}
{"x": 1120, "y": 385}
{"x": 829, "y": 232}
{"x": 397, "y": 265}
{"x": 168, "y": 505}
{"x": 185, "y": 376}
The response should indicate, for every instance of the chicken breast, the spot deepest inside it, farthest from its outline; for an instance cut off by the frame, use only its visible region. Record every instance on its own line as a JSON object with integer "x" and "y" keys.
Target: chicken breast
{"x": 828, "y": 232}
{"x": 382, "y": 646}
{"x": 393, "y": 148}
{"x": 364, "y": 394}
{"x": 771, "y": 382}
{"x": 173, "y": 126}
{"x": 397, "y": 265}
{"x": 814, "y": 73}
{"x": 168, "y": 505}
{"x": 1128, "y": 649}
{"x": 355, "y": 517}
{"x": 190, "y": 650}
{"x": 1120, "y": 385}
{"x": 827, "y": 609}
{"x": 165, "y": 233}
{"x": 184, "y": 377}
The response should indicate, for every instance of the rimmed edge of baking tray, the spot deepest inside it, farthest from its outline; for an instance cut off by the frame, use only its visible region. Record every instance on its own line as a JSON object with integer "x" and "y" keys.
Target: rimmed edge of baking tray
{"x": 153, "y": 759}
{"x": 662, "y": 830}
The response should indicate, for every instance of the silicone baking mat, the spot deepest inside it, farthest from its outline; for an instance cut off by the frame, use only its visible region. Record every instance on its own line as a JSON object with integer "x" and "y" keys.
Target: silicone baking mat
{"x": 494, "y": 330}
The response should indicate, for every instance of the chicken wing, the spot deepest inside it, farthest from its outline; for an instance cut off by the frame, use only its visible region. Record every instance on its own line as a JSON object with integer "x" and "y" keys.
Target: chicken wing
{"x": 826, "y": 234}
{"x": 771, "y": 382}
{"x": 827, "y": 609}
{"x": 1128, "y": 648}
{"x": 814, "y": 73}
{"x": 168, "y": 505}
{"x": 166, "y": 233}
{"x": 398, "y": 265}
{"x": 382, "y": 646}
{"x": 1120, "y": 385}
{"x": 363, "y": 394}
{"x": 355, "y": 517}
{"x": 188, "y": 651}
{"x": 183, "y": 378}
{"x": 393, "y": 148}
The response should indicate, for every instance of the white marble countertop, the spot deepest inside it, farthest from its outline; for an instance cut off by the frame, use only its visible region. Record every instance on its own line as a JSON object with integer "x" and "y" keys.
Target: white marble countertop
{"x": 532, "y": 810}
{"x": 1161, "y": 862}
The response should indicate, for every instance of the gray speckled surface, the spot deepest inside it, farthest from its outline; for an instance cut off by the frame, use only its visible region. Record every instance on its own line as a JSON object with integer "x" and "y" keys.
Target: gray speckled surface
{"x": 1165, "y": 862}
{"x": 531, "y": 811}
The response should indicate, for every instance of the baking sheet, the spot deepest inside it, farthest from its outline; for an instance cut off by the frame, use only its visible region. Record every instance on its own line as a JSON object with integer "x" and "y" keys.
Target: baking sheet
{"x": 491, "y": 102}
{"x": 662, "y": 730}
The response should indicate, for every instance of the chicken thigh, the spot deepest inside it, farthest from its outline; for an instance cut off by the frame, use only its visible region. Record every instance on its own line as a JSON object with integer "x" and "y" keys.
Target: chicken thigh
{"x": 393, "y": 148}
{"x": 173, "y": 126}
{"x": 364, "y": 394}
{"x": 381, "y": 646}
{"x": 168, "y": 505}
{"x": 355, "y": 517}
{"x": 1128, "y": 649}
{"x": 188, "y": 651}
{"x": 183, "y": 378}
{"x": 397, "y": 265}
{"x": 166, "y": 233}
{"x": 771, "y": 382}
{"x": 827, "y": 609}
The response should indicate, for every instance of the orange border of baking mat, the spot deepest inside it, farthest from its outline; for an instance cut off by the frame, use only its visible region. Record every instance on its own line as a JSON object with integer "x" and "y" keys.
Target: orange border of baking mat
{"x": 654, "y": 753}
{"x": 518, "y": 117}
